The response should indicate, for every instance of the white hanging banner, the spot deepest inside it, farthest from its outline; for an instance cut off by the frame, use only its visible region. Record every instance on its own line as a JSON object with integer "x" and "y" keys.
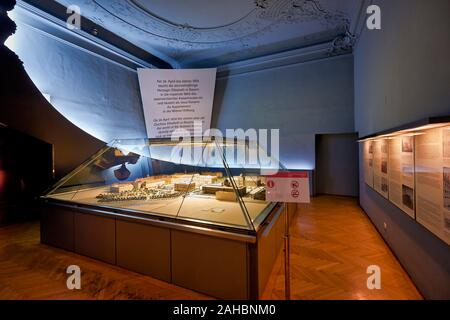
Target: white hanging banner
{"x": 176, "y": 99}
{"x": 288, "y": 187}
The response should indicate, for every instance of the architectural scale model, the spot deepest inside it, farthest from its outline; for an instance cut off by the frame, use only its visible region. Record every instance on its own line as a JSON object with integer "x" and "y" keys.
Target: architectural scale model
{"x": 176, "y": 185}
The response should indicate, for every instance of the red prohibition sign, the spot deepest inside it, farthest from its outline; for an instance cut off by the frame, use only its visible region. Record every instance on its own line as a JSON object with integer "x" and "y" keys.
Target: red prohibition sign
{"x": 295, "y": 184}
{"x": 295, "y": 193}
{"x": 270, "y": 184}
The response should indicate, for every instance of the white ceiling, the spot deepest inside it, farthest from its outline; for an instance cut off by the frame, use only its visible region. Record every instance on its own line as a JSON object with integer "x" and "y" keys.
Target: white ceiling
{"x": 204, "y": 33}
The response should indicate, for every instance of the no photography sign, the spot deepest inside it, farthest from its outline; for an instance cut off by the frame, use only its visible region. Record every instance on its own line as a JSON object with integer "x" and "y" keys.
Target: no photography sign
{"x": 288, "y": 186}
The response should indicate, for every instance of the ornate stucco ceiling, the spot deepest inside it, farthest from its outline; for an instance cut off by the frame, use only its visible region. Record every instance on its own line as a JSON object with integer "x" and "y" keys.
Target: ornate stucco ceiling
{"x": 200, "y": 33}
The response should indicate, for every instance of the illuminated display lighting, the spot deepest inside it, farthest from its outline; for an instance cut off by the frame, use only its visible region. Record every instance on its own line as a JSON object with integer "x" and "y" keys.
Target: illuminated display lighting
{"x": 407, "y": 132}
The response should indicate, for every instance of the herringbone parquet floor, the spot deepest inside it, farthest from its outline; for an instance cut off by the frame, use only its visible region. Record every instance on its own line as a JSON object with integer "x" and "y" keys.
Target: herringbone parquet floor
{"x": 30, "y": 270}
{"x": 332, "y": 244}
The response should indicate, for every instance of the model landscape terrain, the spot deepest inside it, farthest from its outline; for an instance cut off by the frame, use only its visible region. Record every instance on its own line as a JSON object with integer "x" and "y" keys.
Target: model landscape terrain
{"x": 176, "y": 185}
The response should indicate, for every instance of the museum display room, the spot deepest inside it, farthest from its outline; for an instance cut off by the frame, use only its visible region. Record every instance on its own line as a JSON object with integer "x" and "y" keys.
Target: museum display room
{"x": 224, "y": 150}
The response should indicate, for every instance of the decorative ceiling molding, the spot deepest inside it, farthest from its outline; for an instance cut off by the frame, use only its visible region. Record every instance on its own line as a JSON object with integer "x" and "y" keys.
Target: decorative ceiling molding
{"x": 265, "y": 15}
{"x": 342, "y": 44}
{"x": 311, "y": 53}
{"x": 184, "y": 25}
{"x": 279, "y": 60}
{"x": 264, "y": 28}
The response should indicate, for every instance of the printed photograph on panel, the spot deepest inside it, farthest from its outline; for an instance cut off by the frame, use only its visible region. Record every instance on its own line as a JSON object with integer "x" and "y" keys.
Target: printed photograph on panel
{"x": 407, "y": 144}
{"x": 408, "y": 197}
{"x": 384, "y": 185}
{"x": 446, "y": 187}
{"x": 384, "y": 166}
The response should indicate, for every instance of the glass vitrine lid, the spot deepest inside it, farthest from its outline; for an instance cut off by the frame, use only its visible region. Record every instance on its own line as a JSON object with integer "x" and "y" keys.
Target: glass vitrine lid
{"x": 207, "y": 181}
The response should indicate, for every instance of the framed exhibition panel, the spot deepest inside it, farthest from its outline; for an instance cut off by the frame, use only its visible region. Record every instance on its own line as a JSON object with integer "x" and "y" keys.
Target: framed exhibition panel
{"x": 368, "y": 162}
{"x": 411, "y": 168}
{"x": 380, "y": 167}
{"x": 433, "y": 181}
{"x": 402, "y": 173}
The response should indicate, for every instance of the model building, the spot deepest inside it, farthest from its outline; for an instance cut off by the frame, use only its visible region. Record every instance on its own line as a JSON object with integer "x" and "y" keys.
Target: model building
{"x": 184, "y": 186}
{"x": 172, "y": 186}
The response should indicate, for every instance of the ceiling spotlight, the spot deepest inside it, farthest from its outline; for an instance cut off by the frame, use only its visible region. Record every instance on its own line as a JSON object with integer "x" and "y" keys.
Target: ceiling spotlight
{"x": 94, "y": 32}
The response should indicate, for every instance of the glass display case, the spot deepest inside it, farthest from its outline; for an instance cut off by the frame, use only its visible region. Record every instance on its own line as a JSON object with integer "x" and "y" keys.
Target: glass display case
{"x": 190, "y": 212}
{"x": 208, "y": 182}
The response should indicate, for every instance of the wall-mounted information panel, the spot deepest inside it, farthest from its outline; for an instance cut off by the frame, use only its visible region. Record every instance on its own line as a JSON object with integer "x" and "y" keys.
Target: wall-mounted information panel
{"x": 380, "y": 167}
{"x": 433, "y": 181}
{"x": 411, "y": 168}
{"x": 368, "y": 162}
{"x": 401, "y": 172}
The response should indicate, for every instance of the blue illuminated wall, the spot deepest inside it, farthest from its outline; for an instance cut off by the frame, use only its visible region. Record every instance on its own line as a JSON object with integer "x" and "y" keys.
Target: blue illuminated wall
{"x": 299, "y": 99}
{"x": 99, "y": 96}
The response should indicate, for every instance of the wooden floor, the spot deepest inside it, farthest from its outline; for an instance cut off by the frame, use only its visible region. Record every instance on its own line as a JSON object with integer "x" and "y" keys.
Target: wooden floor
{"x": 332, "y": 244}
{"x": 30, "y": 270}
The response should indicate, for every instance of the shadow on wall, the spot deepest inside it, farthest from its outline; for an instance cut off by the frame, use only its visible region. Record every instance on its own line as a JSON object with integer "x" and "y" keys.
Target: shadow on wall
{"x": 24, "y": 108}
{"x": 21, "y": 184}
{"x": 218, "y": 101}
